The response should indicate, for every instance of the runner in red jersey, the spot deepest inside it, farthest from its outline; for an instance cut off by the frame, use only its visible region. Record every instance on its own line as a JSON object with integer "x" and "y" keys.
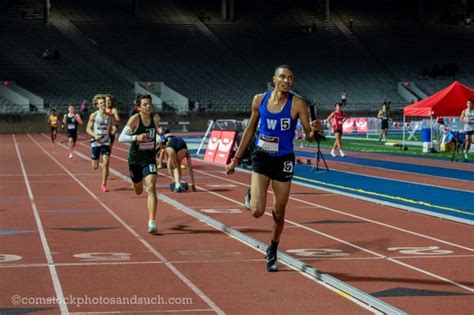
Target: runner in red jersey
{"x": 336, "y": 120}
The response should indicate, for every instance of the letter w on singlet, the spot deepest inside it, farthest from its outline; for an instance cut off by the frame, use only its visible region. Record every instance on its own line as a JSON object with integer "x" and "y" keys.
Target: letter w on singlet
{"x": 271, "y": 124}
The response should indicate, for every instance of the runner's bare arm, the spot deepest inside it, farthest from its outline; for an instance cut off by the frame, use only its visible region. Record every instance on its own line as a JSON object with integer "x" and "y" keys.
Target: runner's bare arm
{"x": 248, "y": 133}
{"x": 78, "y": 119}
{"x": 90, "y": 124}
{"x": 463, "y": 116}
{"x": 116, "y": 116}
{"x": 112, "y": 128}
{"x": 157, "y": 120}
{"x": 329, "y": 119}
{"x": 303, "y": 114}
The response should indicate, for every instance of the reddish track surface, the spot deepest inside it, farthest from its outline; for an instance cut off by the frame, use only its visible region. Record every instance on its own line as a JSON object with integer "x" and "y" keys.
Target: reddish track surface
{"x": 350, "y": 239}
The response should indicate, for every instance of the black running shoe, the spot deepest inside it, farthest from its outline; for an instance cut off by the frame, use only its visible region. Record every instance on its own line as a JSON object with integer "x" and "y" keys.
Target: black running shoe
{"x": 179, "y": 189}
{"x": 247, "y": 200}
{"x": 272, "y": 264}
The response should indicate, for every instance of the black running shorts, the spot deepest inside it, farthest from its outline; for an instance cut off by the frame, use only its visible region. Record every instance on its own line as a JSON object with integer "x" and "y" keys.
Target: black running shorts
{"x": 280, "y": 168}
{"x": 140, "y": 171}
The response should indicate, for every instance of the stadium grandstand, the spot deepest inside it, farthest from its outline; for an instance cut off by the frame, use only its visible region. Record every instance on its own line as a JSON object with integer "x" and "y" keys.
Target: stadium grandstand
{"x": 236, "y": 157}
{"x": 364, "y": 50}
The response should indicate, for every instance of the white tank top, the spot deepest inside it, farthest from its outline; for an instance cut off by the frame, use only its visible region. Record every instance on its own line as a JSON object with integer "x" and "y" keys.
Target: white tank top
{"x": 101, "y": 128}
{"x": 469, "y": 115}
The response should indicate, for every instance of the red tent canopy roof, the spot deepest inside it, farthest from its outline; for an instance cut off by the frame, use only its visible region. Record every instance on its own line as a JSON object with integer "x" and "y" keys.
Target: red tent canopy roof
{"x": 448, "y": 102}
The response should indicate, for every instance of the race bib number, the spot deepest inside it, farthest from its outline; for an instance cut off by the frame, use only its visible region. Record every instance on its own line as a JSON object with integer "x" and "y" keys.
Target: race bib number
{"x": 152, "y": 168}
{"x": 288, "y": 167}
{"x": 268, "y": 144}
{"x": 104, "y": 139}
{"x": 143, "y": 146}
{"x": 150, "y": 143}
{"x": 71, "y": 126}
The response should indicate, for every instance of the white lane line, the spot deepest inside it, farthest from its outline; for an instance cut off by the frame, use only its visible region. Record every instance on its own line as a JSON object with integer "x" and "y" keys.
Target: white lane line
{"x": 390, "y": 158}
{"x": 380, "y": 258}
{"x": 435, "y": 177}
{"x": 168, "y": 264}
{"x": 360, "y": 248}
{"x": 45, "y": 175}
{"x": 433, "y": 256}
{"x": 414, "y": 181}
{"x": 351, "y": 215}
{"x": 346, "y": 242}
{"x": 144, "y": 312}
{"x": 352, "y": 299}
{"x": 312, "y": 204}
{"x": 44, "y": 242}
{"x": 76, "y": 264}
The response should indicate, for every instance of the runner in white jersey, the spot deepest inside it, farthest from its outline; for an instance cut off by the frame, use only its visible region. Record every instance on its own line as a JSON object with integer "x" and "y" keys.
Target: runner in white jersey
{"x": 98, "y": 128}
{"x": 467, "y": 116}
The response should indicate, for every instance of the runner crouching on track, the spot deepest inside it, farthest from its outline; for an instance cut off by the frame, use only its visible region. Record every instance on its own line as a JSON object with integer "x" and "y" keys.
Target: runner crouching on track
{"x": 176, "y": 150}
{"x": 273, "y": 159}
{"x": 140, "y": 132}
{"x": 99, "y": 127}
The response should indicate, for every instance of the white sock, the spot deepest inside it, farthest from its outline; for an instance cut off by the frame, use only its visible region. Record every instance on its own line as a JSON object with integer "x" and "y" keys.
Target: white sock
{"x": 177, "y": 185}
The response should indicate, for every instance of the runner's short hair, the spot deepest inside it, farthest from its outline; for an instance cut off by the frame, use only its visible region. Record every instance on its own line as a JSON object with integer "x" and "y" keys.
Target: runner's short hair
{"x": 283, "y": 67}
{"x": 142, "y": 97}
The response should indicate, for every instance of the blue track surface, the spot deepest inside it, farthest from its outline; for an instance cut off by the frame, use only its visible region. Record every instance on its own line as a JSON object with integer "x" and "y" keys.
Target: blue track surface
{"x": 439, "y": 200}
{"x": 398, "y": 166}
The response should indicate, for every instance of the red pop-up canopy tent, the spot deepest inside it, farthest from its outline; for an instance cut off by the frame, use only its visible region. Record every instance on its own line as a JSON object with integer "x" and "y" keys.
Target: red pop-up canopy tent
{"x": 448, "y": 102}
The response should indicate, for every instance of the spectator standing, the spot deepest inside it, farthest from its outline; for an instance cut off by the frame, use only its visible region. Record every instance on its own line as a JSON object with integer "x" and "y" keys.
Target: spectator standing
{"x": 84, "y": 107}
{"x": 343, "y": 98}
{"x": 46, "y": 54}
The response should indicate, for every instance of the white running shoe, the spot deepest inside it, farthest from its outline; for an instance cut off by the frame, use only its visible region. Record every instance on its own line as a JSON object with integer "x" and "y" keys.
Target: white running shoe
{"x": 152, "y": 227}
{"x": 333, "y": 153}
{"x": 247, "y": 200}
{"x": 70, "y": 155}
{"x": 341, "y": 153}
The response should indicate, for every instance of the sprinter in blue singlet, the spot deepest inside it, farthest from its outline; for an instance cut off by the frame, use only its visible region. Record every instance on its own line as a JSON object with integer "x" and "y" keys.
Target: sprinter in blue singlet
{"x": 274, "y": 114}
